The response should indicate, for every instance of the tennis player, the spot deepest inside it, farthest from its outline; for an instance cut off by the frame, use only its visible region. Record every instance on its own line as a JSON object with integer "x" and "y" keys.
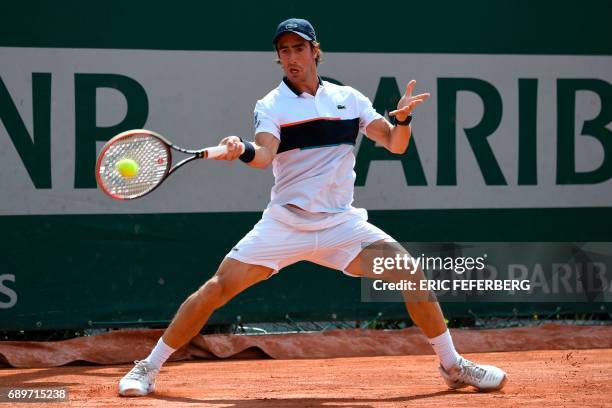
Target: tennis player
{"x": 306, "y": 128}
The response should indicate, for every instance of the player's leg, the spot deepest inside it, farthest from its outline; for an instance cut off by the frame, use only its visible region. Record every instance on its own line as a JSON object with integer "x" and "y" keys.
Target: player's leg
{"x": 342, "y": 248}
{"x": 231, "y": 278}
{"x": 267, "y": 248}
{"x": 426, "y": 313}
{"x": 422, "y": 306}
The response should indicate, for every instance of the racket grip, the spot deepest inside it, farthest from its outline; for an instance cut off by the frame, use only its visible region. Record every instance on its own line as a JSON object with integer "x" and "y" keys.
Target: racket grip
{"x": 216, "y": 151}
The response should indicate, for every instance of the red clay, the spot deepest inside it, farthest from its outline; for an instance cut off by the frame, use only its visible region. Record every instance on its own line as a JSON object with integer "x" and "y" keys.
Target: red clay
{"x": 553, "y": 378}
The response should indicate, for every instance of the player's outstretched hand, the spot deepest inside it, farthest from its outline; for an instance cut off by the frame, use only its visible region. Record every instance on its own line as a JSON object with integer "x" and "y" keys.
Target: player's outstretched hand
{"x": 234, "y": 148}
{"x": 407, "y": 103}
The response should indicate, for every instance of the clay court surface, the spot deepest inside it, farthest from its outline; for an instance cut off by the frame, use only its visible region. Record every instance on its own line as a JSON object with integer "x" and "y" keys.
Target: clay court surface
{"x": 555, "y": 378}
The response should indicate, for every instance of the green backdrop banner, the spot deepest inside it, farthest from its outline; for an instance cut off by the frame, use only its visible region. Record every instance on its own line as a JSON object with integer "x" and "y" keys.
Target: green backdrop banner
{"x": 115, "y": 270}
{"x": 475, "y": 26}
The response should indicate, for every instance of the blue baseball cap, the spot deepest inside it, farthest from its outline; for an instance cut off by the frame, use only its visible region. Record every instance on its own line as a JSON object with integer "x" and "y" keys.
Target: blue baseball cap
{"x": 298, "y": 26}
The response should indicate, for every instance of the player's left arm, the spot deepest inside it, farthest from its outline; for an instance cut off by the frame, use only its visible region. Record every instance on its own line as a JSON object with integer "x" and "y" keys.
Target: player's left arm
{"x": 396, "y": 138}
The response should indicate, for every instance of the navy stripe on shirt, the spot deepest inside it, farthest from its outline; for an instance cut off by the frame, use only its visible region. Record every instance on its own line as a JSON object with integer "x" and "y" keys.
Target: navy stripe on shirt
{"x": 318, "y": 133}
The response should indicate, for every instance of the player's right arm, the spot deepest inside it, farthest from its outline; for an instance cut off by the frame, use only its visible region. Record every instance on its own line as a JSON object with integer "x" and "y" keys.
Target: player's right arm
{"x": 266, "y": 146}
{"x": 267, "y": 137}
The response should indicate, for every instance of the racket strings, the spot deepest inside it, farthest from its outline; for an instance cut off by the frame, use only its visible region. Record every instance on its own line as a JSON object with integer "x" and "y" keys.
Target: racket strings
{"x": 152, "y": 157}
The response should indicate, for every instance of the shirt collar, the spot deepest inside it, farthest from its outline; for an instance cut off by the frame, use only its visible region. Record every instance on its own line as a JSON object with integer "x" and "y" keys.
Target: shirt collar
{"x": 290, "y": 90}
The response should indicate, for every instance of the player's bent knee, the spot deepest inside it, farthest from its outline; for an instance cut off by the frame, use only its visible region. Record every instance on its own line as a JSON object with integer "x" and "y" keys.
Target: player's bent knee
{"x": 231, "y": 278}
{"x": 210, "y": 294}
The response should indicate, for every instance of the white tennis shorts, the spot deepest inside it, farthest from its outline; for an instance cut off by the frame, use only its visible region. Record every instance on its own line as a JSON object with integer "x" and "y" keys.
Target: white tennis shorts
{"x": 286, "y": 235}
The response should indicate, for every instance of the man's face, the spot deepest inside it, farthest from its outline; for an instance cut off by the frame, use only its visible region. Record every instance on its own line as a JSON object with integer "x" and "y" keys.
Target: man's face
{"x": 297, "y": 57}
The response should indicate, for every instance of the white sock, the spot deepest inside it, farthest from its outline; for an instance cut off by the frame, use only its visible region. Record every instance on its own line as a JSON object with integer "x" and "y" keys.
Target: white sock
{"x": 160, "y": 353}
{"x": 445, "y": 349}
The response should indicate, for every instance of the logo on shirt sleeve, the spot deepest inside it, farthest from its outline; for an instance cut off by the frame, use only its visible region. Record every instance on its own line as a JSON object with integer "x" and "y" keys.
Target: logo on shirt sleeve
{"x": 256, "y": 121}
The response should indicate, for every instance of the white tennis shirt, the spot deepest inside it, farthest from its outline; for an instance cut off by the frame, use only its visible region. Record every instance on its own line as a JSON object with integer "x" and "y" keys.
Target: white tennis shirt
{"x": 314, "y": 166}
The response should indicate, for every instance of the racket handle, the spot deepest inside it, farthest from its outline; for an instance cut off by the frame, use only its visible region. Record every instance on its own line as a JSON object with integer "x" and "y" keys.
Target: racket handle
{"x": 216, "y": 151}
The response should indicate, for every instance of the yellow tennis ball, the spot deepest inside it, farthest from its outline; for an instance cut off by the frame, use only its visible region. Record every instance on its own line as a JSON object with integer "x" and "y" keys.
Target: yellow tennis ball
{"x": 128, "y": 168}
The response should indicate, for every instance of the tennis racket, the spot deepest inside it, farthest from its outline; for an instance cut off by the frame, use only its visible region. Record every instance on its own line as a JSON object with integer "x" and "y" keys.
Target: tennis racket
{"x": 149, "y": 158}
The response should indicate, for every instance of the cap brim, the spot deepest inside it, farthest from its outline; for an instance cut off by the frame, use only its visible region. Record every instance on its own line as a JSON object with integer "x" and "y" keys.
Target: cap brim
{"x": 304, "y": 36}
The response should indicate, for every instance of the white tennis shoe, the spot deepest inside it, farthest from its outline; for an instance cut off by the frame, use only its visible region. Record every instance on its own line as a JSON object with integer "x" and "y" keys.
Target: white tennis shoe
{"x": 481, "y": 377}
{"x": 139, "y": 381}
